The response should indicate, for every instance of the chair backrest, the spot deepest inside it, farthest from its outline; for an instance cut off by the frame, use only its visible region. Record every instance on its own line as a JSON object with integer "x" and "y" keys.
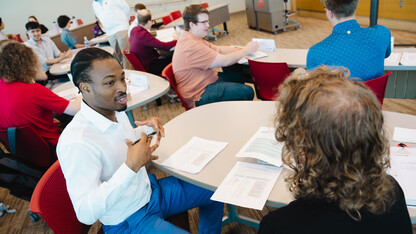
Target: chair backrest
{"x": 205, "y": 4}
{"x": 267, "y": 77}
{"x": 19, "y": 38}
{"x": 166, "y": 19}
{"x": 378, "y": 86}
{"x": 51, "y": 200}
{"x": 168, "y": 74}
{"x": 176, "y": 15}
{"x": 27, "y": 145}
{"x": 131, "y": 19}
{"x": 134, "y": 61}
{"x": 79, "y": 21}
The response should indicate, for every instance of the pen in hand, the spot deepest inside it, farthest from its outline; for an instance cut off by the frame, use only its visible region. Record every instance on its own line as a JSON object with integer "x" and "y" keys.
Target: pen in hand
{"x": 150, "y": 135}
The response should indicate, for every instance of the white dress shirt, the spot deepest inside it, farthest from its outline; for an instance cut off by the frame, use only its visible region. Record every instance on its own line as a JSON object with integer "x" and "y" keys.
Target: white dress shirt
{"x": 92, "y": 154}
{"x": 47, "y": 50}
{"x": 114, "y": 15}
{"x": 3, "y": 36}
{"x": 132, "y": 25}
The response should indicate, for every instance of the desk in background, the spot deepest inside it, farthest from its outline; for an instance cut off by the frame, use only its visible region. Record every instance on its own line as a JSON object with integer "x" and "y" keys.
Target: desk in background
{"x": 64, "y": 66}
{"x": 235, "y": 122}
{"x": 401, "y": 84}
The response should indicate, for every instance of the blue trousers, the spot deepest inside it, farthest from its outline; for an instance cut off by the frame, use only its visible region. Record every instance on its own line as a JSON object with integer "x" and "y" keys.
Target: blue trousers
{"x": 171, "y": 196}
{"x": 229, "y": 87}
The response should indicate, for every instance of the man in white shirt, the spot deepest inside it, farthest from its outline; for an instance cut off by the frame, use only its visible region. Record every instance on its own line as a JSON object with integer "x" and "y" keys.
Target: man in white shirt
{"x": 114, "y": 16}
{"x": 45, "y": 49}
{"x": 104, "y": 170}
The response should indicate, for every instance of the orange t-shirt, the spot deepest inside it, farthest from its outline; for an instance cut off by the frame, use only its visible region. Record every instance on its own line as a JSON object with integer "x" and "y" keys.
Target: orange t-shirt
{"x": 190, "y": 63}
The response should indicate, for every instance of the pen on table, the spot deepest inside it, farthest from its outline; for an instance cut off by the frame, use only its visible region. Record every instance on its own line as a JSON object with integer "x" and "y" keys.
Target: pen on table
{"x": 149, "y": 135}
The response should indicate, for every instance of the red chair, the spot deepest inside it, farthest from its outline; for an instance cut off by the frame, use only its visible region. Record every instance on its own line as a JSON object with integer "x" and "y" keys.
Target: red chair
{"x": 267, "y": 77}
{"x": 168, "y": 74}
{"x": 378, "y": 86}
{"x": 51, "y": 201}
{"x": 25, "y": 143}
{"x": 205, "y": 4}
{"x": 134, "y": 61}
{"x": 132, "y": 18}
{"x": 166, "y": 19}
{"x": 176, "y": 14}
{"x": 79, "y": 21}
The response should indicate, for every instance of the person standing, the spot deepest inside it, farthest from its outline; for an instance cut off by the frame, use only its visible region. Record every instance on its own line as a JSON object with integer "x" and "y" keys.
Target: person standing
{"x": 114, "y": 16}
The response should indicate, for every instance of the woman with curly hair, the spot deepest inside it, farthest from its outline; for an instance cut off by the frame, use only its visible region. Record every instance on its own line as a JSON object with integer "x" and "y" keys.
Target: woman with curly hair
{"x": 336, "y": 145}
{"x": 24, "y": 102}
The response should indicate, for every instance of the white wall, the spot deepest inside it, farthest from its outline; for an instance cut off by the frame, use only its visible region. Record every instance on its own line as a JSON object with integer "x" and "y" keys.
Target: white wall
{"x": 15, "y": 12}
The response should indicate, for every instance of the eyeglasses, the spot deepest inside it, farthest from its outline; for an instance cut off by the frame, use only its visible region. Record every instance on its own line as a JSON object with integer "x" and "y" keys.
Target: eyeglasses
{"x": 203, "y": 22}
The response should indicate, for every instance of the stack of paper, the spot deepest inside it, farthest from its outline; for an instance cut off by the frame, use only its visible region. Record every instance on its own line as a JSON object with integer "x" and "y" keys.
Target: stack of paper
{"x": 408, "y": 59}
{"x": 393, "y": 59}
{"x": 404, "y": 135}
{"x": 194, "y": 155}
{"x": 166, "y": 35}
{"x": 247, "y": 185}
{"x": 253, "y": 56}
{"x": 266, "y": 44}
{"x": 263, "y": 146}
{"x": 403, "y": 169}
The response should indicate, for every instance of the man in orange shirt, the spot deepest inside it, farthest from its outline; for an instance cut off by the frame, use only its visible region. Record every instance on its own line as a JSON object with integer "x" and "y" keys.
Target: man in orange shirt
{"x": 194, "y": 61}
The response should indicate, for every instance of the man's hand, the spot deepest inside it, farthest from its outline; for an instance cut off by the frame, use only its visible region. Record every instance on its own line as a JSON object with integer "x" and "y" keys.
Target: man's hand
{"x": 140, "y": 153}
{"x": 67, "y": 54}
{"x": 252, "y": 47}
{"x": 156, "y": 124}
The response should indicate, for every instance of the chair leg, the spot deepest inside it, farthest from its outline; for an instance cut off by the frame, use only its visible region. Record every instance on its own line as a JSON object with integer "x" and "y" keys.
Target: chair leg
{"x": 158, "y": 102}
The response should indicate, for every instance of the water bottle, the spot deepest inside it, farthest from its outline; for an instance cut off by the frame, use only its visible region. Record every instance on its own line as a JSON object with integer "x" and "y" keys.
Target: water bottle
{"x": 86, "y": 42}
{"x": 74, "y": 21}
{"x": 55, "y": 27}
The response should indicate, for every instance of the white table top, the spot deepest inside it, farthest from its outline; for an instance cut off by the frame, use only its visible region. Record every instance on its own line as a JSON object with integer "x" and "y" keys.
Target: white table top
{"x": 158, "y": 87}
{"x": 235, "y": 122}
{"x": 64, "y": 66}
{"x": 297, "y": 58}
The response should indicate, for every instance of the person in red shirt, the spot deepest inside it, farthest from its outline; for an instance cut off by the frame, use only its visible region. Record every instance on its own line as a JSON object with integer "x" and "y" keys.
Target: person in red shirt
{"x": 143, "y": 45}
{"x": 24, "y": 102}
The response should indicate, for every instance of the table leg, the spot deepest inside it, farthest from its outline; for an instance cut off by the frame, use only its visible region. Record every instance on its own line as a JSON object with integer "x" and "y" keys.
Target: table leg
{"x": 225, "y": 26}
{"x": 233, "y": 216}
{"x": 131, "y": 118}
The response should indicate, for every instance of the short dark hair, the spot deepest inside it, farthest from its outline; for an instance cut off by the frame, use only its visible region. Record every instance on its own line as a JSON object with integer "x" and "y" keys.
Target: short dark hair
{"x": 142, "y": 19}
{"x": 190, "y": 14}
{"x": 139, "y": 6}
{"x": 32, "y": 25}
{"x": 341, "y": 8}
{"x": 63, "y": 21}
{"x": 82, "y": 63}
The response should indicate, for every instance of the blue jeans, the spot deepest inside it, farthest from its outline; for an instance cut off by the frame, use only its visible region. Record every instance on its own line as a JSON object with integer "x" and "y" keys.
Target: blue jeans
{"x": 229, "y": 87}
{"x": 171, "y": 196}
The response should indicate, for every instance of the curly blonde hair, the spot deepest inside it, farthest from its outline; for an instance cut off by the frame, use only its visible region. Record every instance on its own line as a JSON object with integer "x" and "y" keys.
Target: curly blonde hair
{"x": 334, "y": 141}
{"x": 18, "y": 63}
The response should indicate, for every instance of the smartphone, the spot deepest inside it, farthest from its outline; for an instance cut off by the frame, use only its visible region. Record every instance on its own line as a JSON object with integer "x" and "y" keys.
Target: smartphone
{"x": 148, "y": 135}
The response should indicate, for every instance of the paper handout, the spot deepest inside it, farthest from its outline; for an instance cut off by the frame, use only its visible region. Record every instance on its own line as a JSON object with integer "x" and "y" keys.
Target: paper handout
{"x": 247, "y": 185}
{"x": 403, "y": 169}
{"x": 263, "y": 145}
{"x": 266, "y": 44}
{"x": 404, "y": 135}
{"x": 194, "y": 155}
{"x": 253, "y": 56}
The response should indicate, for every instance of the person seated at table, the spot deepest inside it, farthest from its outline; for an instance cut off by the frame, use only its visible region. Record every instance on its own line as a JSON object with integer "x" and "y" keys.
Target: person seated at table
{"x": 24, "y": 102}
{"x": 336, "y": 144}
{"x": 105, "y": 171}
{"x": 43, "y": 28}
{"x": 134, "y": 23}
{"x": 45, "y": 49}
{"x": 3, "y": 36}
{"x": 143, "y": 45}
{"x": 360, "y": 50}
{"x": 194, "y": 61}
{"x": 67, "y": 36}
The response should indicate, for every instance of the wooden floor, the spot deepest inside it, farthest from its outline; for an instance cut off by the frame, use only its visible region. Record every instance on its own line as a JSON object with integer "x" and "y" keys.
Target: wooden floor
{"x": 311, "y": 32}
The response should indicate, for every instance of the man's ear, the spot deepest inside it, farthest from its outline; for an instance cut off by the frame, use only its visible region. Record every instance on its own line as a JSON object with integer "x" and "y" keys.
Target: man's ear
{"x": 85, "y": 88}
